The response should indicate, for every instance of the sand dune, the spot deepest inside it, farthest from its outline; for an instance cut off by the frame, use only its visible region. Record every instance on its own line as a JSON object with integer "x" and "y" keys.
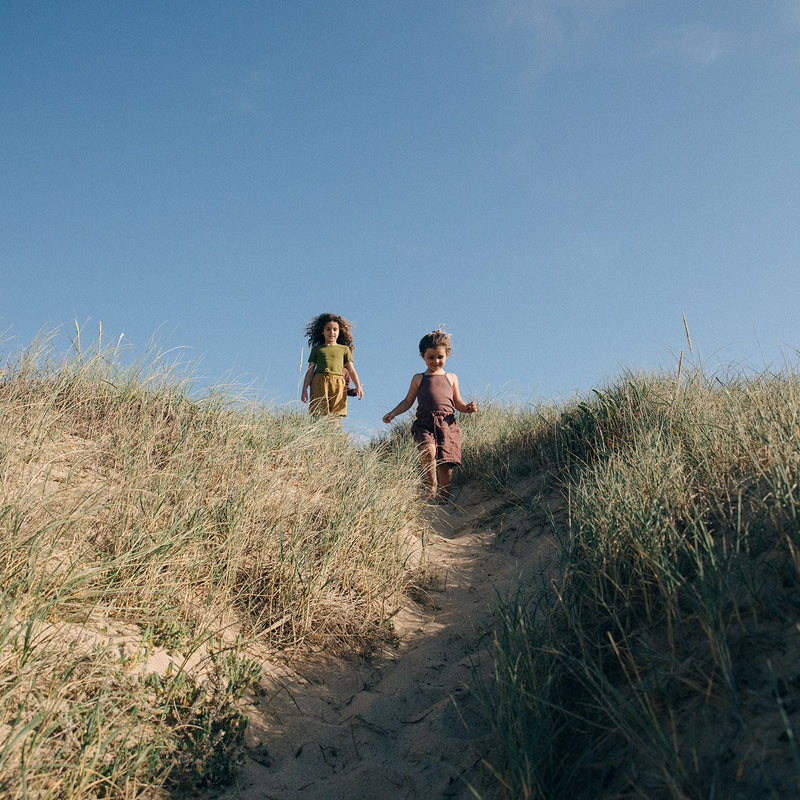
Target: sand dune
{"x": 406, "y": 723}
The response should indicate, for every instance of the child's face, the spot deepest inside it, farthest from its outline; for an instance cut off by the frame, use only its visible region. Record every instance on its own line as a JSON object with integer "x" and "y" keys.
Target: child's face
{"x": 331, "y": 332}
{"x": 435, "y": 358}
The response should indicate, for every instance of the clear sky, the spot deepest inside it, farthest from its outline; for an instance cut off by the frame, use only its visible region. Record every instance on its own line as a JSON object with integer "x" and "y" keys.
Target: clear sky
{"x": 556, "y": 182}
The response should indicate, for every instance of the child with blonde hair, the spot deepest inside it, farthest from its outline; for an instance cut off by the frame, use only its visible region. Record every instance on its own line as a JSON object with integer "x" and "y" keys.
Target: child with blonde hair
{"x": 330, "y": 365}
{"x": 435, "y": 428}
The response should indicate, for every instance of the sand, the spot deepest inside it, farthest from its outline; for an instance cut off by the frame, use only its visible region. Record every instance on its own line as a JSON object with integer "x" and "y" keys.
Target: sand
{"x": 406, "y": 723}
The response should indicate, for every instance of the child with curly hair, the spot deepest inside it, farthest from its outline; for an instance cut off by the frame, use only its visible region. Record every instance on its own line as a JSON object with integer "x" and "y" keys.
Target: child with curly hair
{"x": 331, "y": 343}
{"x": 435, "y": 428}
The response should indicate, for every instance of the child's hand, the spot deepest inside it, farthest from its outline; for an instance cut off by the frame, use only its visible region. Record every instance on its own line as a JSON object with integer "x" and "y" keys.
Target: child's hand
{"x": 304, "y": 396}
{"x": 387, "y": 418}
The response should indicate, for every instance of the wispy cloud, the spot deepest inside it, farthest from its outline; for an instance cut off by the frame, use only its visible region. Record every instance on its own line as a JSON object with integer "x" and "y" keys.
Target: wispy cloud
{"x": 550, "y": 29}
{"x": 694, "y": 44}
{"x": 557, "y": 20}
{"x": 244, "y": 98}
{"x": 747, "y": 29}
{"x": 789, "y": 14}
{"x": 787, "y": 30}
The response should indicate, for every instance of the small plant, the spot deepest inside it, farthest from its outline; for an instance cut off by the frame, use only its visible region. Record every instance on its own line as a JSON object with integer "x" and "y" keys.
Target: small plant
{"x": 205, "y": 720}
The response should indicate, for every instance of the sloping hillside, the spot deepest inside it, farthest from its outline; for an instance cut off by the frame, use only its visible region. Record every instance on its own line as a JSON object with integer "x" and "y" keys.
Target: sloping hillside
{"x": 152, "y": 547}
{"x": 609, "y": 609}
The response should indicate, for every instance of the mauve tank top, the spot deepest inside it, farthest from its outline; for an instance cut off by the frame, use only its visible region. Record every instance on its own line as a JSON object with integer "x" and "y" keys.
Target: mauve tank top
{"x": 435, "y": 394}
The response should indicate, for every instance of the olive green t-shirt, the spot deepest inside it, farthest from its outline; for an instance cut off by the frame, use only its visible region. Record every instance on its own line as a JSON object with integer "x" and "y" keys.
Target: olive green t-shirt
{"x": 330, "y": 358}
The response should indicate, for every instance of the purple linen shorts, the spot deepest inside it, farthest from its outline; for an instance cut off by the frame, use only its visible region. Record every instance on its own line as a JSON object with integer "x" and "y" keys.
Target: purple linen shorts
{"x": 443, "y": 432}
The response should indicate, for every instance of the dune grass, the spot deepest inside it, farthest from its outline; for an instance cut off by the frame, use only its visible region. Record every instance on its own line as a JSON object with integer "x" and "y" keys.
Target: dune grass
{"x": 665, "y": 660}
{"x": 150, "y": 542}
{"x": 154, "y": 544}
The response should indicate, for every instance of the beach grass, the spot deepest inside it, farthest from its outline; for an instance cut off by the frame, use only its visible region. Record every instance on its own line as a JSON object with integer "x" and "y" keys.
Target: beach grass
{"x": 150, "y": 543}
{"x": 157, "y": 544}
{"x": 663, "y": 660}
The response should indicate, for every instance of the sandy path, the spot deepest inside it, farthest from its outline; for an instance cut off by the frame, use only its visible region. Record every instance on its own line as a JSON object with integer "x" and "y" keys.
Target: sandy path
{"x": 405, "y": 724}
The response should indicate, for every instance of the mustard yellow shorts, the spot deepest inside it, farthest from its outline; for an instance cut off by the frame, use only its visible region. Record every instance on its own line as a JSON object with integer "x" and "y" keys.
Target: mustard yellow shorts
{"x": 328, "y": 395}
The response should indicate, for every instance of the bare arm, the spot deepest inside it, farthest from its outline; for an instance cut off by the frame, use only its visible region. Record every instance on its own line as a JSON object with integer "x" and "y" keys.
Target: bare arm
{"x": 307, "y": 382}
{"x": 407, "y": 401}
{"x": 351, "y": 371}
{"x": 460, "y": 405}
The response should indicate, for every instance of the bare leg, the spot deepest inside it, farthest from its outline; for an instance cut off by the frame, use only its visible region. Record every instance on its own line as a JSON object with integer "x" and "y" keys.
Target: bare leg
{"x": 445, "y": 475}
{"x": 427, "y": 454}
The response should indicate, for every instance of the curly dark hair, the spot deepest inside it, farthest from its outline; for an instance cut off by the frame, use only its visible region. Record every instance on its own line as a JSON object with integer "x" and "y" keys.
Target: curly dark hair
{"x": 437, "y": 338}
{"x": 315, "y": 330}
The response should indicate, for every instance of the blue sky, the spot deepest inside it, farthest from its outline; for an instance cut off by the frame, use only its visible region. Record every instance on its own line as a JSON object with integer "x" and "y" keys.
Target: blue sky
{"x": 557, "y": 183}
